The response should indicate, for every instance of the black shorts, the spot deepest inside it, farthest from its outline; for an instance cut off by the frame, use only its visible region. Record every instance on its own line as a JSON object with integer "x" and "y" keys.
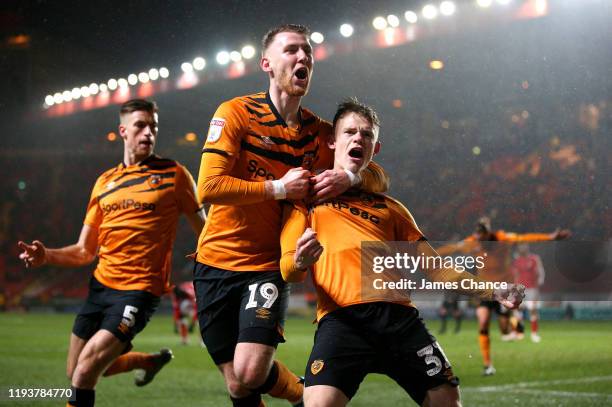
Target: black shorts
{"x": 496, "y": 307}
{"x": 379, "y": 337}
{"x": 238, "y": 307}
{"x": 123, "y": 313}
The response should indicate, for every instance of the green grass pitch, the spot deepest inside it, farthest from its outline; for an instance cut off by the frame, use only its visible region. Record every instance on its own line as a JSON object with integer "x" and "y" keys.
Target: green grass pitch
{"x": 572, "y": 366}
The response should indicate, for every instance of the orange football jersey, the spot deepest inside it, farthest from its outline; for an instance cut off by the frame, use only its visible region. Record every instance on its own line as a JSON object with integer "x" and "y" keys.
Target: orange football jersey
{"x": 135, "y": 209}
{"x": 244, "y": 235}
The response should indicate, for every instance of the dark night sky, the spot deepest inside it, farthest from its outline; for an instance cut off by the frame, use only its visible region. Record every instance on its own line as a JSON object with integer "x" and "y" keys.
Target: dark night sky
{"x": 78, "y": 42}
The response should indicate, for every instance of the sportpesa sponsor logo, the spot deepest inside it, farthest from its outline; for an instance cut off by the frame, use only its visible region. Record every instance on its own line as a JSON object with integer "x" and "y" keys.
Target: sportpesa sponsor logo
{"x": 128, "y": 204}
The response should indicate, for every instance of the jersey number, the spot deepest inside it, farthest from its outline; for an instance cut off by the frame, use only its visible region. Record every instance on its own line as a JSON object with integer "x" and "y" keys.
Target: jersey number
{"x": 268, "y": 291}
{"x": 129, "y": 315}
{"x": 431, "y": 359}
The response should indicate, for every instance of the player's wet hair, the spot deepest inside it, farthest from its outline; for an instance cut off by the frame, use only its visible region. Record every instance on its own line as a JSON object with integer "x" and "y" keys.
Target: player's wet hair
{"x": 291, "y": 28}
{"x": 136, "y": 105}
{"x": 352, "y": 105}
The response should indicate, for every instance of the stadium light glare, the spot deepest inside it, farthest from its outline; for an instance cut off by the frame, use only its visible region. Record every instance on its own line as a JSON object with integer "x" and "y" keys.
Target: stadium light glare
{"x": 122, "y": 83}
{"x": 411, "y": 16}
{"x": 484, "y": 3}
{"x": 235, "y": 56}
{"x": 143, "y": 77}
{"x": 132, "y": 79}
{"x": 503, "y": 2}
{"x": 85, "y": 91}
{"x": 153, "y": 74}
{"x": 223, "y": 57}
{"x": 379, "y": 23}
{"x": 346, "y": 30}
{"x": 191, "y": 137}
{"x": 164, "y": 72}
{"x": 94, "y": 88}
{"x": 112, "y": 84}
{"x": 436, "y": 64}
{"x": 49, "y": 100}
{"x": 447, "y": 8}
{"x": 476, "y": 150}
{"x": 199, "y": 63}
{"x": 186, "y": 67}
{"x": 393, "y": 20}
{"x": 103, "y": 87}
{"x": 429, "y": 11}
{"x": 67, "y": 96}
{"x": 248, "y": 51}
{"x": 58, "y": 98}
{"x": 317, "y": 37}
{"x": 76, "y": 93}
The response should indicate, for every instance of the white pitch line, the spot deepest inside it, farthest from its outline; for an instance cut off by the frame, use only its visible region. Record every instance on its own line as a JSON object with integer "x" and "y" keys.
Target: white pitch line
{"x": 514, "y": 386}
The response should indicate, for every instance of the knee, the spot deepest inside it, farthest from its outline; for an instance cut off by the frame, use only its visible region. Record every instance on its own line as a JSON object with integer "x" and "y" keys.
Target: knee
{"x": 83, "y": 375}
{"x": 250, "y": 375}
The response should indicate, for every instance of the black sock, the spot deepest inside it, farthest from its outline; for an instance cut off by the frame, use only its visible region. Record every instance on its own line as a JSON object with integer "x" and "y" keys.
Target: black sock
{"x": 249, "y": 401}
{"x": 82, "y": 397}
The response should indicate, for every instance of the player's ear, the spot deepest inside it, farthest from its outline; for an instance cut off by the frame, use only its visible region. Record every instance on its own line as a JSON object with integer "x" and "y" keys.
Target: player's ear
{"x": 122, "y": 131}
{"x": 331, "y": 143}
{"x": 264, "y": 63}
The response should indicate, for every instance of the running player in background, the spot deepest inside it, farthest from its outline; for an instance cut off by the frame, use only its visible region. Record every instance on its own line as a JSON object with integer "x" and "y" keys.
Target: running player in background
{"x": 450, "y": 307}
{"x": 528, "y": 270}
{"x": 184, "y": 309}
{"x": 261, "y": 149}
{"x": 130, "y": 226}
{"x": 497, "y": 245}
{"x": 357, "y": 336}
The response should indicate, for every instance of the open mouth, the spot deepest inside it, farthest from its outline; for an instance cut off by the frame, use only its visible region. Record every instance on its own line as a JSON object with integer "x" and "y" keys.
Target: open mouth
{"x": 301, "y": 73}
{"x": 356, "y": 152}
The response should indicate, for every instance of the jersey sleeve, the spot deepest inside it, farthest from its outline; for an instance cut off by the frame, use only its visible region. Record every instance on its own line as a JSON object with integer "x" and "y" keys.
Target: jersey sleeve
{"x": 226, "y": 128}
{"x": 295, "y": 222}
{"x": 94, "y": 214}
{"x": 222, "y": 147}
{"x": 374, "y": 178}
{"x": 405, "y": 227}
{"x": 185, "y": 191}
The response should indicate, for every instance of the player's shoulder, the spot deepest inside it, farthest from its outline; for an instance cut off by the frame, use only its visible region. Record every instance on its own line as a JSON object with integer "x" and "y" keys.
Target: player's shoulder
{"x": 258, "y": 99}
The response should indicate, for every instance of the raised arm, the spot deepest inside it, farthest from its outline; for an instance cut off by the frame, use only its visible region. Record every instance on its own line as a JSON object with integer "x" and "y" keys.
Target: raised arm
{"x": 79, "y": 254}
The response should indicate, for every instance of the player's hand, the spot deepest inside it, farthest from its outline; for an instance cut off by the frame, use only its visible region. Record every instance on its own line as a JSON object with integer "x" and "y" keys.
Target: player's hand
{"x": 511, "y": 297}
{"x": 560, "y": 234}
{"x": 32, "y": 255}
{"x": 297, "y": 183}
{"x": 329, "y": 184}
{"x": 308, "y": 249}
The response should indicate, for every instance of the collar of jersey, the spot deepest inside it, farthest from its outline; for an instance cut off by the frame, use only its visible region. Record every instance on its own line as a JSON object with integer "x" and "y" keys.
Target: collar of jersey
{"x": 277, "y": 114}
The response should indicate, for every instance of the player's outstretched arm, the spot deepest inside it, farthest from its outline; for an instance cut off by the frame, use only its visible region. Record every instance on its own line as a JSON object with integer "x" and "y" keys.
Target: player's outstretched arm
{"x": 557, "y": 234}
{"x": 79, "y": 254}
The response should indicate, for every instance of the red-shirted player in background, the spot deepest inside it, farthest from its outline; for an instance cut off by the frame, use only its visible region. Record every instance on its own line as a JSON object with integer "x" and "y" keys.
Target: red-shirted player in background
{"x": 184, "y": 309}
{"x": 528, "y": 270}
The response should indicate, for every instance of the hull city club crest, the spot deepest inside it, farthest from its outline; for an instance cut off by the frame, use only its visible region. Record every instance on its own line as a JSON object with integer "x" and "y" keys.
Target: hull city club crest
{"x": 155, "y": 181}
{"x": 316, "y": 366}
